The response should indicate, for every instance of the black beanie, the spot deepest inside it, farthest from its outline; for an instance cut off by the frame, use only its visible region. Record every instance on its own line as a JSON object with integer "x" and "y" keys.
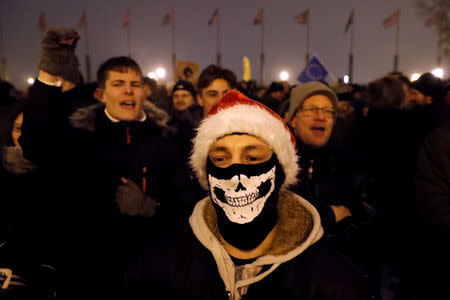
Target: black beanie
{"x": 275, "y": 87}
{"x": 184, "y": 85}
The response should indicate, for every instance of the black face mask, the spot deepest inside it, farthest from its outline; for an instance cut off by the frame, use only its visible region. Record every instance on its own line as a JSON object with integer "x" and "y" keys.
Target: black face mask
{"x": 245, "y": 198}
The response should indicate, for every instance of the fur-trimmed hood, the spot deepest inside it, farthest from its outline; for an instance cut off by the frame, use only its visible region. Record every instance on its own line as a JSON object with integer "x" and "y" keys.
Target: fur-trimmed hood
{"x": 297, "y": 228}
{"x": 14, "y": 162}
{"x": 84, "y": 118}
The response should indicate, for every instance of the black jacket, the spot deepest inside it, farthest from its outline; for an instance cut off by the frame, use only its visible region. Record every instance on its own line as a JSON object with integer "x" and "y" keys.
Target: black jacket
{"x": 88, "y": 155}
{"x": 190, "y": 263}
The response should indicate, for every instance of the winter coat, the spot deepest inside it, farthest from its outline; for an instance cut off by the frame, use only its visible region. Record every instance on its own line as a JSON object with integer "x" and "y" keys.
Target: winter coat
{"x": 27, "y": 229}
{"x": 329, "y": 176}
{"x": 433, "y": 205}
{"x": 191, "y": 263}
{"x": 88, "y": 154}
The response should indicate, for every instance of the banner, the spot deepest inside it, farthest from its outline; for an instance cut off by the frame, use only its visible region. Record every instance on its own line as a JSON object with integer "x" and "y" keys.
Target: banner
{"x": 247, "y": 71}
{"x": 187, "y": 70}
{"x": 315, "y": 71}
{"x": 214, "y": 17}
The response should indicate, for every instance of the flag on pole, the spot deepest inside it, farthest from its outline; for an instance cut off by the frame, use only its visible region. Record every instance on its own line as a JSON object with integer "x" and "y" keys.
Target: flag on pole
{"x": 126, "y": 19}
{"x": 259, "y": 17}
{"x": 214, "y": 18}
{"x": 82, "y": 20}
{"x": 247, "y": 71}
{"x": 392, "y": 19}
{"x": 314, "y": 71}
{"x": 349, "y": 21}
{"x": 168, "y": 18}
{"x": 42, "y": 22}
{"x": 303, "y": 17}
{"x": 430, "y": 22}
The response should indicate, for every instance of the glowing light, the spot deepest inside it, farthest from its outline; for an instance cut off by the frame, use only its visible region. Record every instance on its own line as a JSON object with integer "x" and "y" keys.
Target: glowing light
{"x": 438, "y": 72}
{"x": 284, "y": 75}
{"x": 30, "y": 80}
{"x": 346, "y": 79}
{"x": 415, "y": 76}
{"x": 160, "y": 73}
{"x": 151, "y": 75}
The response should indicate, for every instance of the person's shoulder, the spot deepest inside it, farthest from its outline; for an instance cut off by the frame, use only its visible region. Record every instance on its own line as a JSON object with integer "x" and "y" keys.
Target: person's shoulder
{"x": 166, "y": 241}
{"x": 331, "y": 269}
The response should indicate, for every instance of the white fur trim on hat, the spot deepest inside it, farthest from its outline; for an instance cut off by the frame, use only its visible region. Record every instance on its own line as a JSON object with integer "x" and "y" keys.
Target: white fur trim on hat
{"x": 245, "y": 118}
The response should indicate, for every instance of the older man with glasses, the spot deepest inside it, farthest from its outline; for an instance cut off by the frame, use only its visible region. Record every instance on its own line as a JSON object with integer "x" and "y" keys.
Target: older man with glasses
{"x": 327, "y": 175}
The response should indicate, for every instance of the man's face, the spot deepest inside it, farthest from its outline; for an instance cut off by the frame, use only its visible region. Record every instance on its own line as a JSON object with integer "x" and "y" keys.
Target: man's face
{"x": 239, "y": 149}
{"x": 314, "y": 129}
{"x": 212, "y": 94}
{"x": 123, "y": 95}
{"x": 242, "y": 194}
{"x": 279, "y": 95}
{"x": 17, "y": 129}
{"x": 416, "y": 97}
{"x": 182, "y": 99}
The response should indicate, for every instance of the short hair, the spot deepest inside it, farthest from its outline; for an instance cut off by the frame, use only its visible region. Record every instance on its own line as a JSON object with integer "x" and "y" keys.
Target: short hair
{"x": 213, "y": 72}
{"x": 386, "y": 92}
{"x": 150, "y": 82}
{"x": 119, "y": 64}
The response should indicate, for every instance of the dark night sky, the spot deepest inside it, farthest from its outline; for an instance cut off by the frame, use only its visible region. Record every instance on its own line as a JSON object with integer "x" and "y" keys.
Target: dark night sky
{"x": 195, "y": 41}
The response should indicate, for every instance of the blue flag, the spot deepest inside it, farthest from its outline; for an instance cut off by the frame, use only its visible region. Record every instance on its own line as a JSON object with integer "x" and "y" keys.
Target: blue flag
{"x": 314, "y": 71}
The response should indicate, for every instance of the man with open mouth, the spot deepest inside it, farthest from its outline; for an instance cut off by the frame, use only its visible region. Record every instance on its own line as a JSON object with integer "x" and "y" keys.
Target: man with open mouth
{"x": 330, "y": 176}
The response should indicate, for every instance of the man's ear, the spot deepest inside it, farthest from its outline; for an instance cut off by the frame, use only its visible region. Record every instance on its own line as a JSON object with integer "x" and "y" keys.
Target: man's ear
{"x": 199, "y": 100}
{"x": 292, "y": 122}
{"x": 98, "y": 94}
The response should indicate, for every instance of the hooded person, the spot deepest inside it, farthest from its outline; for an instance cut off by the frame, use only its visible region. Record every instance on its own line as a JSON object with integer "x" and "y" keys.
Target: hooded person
{"x": 250, "y": 236}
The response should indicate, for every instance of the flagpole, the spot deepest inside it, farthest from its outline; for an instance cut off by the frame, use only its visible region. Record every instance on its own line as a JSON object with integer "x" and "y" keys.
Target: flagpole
{"x": 174, "y": 57}
{"x": 262, "y": 52}
{"x": 88, "y": 61}
{"x": 439, "y": 58}
{"x": 3, "y": 70}
{"x": 350, "y": 59}
{"x": 307, "y": 39}
{"x": 218, "y": 42}
{"x": 397, "y": 38}
{"x": 128, "y": 34}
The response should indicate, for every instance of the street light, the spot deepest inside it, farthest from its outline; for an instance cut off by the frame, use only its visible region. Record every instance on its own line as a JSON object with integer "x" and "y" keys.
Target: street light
{"x": 415, "y": 76}
{"x": 160, "y": 73}
{"x": 438, "y": 72}
{"x": 284, "y": 75}
{"x": 30, "y": 80}
{"x": 151, "y": 75}
{"x": 346, "y": 79}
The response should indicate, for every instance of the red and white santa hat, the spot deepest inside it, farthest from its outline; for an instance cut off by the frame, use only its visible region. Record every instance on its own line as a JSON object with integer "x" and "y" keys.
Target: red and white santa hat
{"x": 236, "y": 113}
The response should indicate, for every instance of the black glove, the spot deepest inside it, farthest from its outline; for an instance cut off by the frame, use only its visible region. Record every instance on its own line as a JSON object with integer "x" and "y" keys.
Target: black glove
{"x": 133, "y": 201}
{"x": 58, "y": 53}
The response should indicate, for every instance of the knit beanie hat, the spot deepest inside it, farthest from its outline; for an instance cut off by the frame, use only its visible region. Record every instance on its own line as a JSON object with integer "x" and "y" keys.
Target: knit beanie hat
{"x": 275, "y": 87}
{"x": 58, "y": 53}
{"x": 235, "y": 113}
{"x": 303, "y": 91}
{"x": 184, "y": 85}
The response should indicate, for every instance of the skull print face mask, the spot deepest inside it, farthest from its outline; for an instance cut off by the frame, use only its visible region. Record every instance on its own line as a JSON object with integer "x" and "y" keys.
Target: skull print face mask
{"x": 245, "y": 198}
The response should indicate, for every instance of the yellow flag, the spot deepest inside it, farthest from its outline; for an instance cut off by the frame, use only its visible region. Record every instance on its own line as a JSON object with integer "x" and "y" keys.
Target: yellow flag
{"x": 247, "y": 70}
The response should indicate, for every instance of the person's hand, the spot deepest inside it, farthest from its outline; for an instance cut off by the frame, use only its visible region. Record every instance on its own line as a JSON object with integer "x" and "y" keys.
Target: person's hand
{"x": 340, "y": 212}
{"x": 133, "y": 201}
{"x": 58, "y": 53}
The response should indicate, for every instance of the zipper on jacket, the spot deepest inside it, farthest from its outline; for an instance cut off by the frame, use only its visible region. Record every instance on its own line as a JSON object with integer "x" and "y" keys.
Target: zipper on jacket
{"x": 128, "y": 136}
{"x": 311, "y": 170}
{"x": 144, "y": 179}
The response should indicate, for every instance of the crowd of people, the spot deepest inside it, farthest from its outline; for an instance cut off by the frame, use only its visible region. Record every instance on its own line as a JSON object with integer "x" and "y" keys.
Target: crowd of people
{"x": 220, "y": 189}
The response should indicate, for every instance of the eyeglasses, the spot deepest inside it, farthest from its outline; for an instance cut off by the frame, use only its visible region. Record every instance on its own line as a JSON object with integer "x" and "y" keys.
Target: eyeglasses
{"x": 313, "y": 111}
